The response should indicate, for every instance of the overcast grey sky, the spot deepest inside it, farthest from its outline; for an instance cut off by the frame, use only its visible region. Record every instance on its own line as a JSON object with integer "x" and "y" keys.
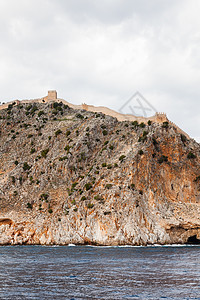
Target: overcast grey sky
{"x": 101, "y": 52}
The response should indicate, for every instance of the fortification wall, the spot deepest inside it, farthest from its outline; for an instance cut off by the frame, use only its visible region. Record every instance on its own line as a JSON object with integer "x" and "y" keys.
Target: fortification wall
{"x": 52, "y": 96}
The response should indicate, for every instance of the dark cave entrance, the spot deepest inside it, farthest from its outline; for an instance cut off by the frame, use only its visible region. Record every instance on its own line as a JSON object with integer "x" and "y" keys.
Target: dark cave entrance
{"x": 193, "y": 240}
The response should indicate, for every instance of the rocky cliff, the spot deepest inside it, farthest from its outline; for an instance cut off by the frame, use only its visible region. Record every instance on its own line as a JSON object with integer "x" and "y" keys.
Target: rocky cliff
{"x": 75, "y": 176}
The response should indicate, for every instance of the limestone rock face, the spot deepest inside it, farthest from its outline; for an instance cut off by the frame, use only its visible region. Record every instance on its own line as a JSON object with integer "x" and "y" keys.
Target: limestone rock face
{"x": 75, "y": 176}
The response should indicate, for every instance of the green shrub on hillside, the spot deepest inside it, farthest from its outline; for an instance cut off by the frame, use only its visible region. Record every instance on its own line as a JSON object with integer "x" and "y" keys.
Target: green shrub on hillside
{"x": 165, "y": 124}
{"x": 58, "y": 132}
{"x": 90, "y": 205}
{"x": 32, "y": 150}
{"x": 122, "y": 157}
{"x": 88, "y": 186}
{"x": 26, "y": 166}
{"x": 162, "y": 159}
{"x": 29, "y": 205}
{"x": 44, "y": 152}
{"x": 191, "y": 155}
{"x": 140, "y": 152}
{"x": 105, "y": 132}
{"x": 41, "y": 112}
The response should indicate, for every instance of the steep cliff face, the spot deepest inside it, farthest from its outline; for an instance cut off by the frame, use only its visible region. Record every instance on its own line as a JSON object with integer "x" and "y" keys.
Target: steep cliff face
{"x": 74, "y": 176}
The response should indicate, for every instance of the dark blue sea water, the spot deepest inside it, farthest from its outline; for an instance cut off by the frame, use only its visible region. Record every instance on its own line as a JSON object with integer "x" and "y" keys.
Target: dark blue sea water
{"x": 84, "y": 272}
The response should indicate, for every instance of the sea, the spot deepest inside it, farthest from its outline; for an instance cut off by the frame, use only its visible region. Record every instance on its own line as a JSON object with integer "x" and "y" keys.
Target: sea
{"x": 87, "y": 272}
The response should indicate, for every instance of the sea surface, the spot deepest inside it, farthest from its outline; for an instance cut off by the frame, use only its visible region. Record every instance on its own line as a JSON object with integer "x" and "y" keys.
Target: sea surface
{"x": 85, "y": 272}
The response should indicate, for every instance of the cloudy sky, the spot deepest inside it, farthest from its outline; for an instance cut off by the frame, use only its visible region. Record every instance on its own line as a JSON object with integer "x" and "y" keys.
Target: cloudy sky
{"x": 102, "y": 52}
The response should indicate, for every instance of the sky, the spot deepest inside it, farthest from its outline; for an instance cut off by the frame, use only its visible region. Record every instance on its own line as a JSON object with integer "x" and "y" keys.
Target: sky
{"x": 102, "y": 52}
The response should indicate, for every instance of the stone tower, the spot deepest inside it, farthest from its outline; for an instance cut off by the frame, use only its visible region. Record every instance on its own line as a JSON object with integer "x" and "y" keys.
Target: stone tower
{"x": 52, "y": 95}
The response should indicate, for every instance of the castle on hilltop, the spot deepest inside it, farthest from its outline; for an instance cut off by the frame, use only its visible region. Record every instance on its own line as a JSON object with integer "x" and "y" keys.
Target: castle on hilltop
{"x": 52, "y": 96}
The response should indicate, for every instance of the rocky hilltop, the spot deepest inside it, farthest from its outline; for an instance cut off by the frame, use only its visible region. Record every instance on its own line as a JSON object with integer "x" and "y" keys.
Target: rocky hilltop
{"x": 76, "y": 176}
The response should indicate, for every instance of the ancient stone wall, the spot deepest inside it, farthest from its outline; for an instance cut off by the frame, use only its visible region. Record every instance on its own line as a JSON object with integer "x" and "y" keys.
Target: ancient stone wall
{"x": 159, "y": 117}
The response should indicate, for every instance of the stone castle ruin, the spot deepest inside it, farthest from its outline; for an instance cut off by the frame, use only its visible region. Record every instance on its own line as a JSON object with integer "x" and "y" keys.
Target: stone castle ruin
{"x": 52, "y": 96}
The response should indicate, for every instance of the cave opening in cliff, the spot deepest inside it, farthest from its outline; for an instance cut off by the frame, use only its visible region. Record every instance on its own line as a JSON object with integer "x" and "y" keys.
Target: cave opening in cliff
{"x": 193, "y": 240}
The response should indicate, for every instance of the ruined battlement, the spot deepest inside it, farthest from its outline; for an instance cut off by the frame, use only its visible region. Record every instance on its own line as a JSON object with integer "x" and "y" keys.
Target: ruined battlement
{"x": 159, "y": 117}
{"x": 85, "y": 106}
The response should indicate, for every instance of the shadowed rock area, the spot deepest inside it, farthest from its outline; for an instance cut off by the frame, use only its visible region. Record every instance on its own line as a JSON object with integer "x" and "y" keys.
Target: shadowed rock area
{"x": 75, "y": 176}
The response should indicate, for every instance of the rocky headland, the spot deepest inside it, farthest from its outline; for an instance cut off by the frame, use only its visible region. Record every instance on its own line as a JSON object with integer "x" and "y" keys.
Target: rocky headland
{"x": 77, "y": 176}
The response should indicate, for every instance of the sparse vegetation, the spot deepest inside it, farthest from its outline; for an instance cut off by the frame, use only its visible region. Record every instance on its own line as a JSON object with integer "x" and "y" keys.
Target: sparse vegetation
{"x": 134, "y": 123}
{"x": 41, "y": 112}
{"x": 29, "y": 205}
{"x": 197, "y": 179}
{"x": 88, "y": 186}
{"x": 90, "y": 205}
{"x": 154, "y": 141}
{"x": 32, "y": 150}
{"x": 15, "y": 193}
{"x": 107, "y": 213}
{"x": 44, "y": 196}
{"x": 162, "y": 159}
{"x": 74, "y": 185}
{"x": 44, "y": 152}
{"x": 63, "y": 158}
{"x": 34, "y": 109}
{"x": 183, "y": 138}
{"x": 68, "y": 132}
{"x": 58, "y": 132}
{"x": 79, "y": 116}
{"x": 67, "y": 148}
{"x": 98, "y": 197}
{"x": 132, "y": 186}
{"x": 140, "y": 152}
{"x": 105, "y": 132}
{"x": 145, "y": 133}
{"x": 191, "y": 155}
{"x": 122, "y": 157}
{"x": 26, "y": 166}
{"x": 142, "y": 125}
{"x": 165, "y": 124}
{"x": 108, "y": 186}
